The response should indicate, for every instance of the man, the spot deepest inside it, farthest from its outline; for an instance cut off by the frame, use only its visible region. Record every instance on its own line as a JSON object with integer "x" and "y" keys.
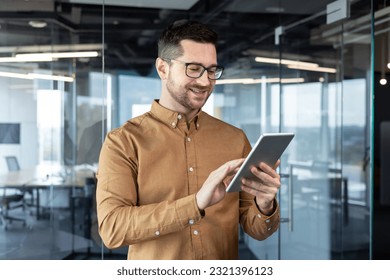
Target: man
{"x": 162, "y": 176}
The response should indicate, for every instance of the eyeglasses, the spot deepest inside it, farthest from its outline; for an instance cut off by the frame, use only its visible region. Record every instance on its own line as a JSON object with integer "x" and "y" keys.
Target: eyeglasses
{"x": 196, "y": 70}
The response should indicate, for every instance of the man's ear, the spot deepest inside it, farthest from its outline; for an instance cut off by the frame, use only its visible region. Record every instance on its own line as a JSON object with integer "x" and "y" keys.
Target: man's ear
{"x": 162, "y": 68}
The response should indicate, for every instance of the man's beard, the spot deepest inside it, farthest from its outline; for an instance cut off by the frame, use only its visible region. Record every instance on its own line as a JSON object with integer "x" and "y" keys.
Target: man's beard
{"x": 182, "y": 97}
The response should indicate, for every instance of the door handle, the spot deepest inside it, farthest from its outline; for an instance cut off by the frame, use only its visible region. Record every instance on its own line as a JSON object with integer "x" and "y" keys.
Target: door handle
{"x": 289, "y": 218}
{"x": 290, "y": 199}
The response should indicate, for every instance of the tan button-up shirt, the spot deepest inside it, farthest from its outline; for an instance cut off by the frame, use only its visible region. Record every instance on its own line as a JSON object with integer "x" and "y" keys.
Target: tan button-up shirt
{"x": 150, "y": 170}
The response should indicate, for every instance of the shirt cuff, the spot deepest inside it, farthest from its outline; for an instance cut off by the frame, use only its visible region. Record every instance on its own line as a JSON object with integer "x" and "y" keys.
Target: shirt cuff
{"x": 187, "y": 211}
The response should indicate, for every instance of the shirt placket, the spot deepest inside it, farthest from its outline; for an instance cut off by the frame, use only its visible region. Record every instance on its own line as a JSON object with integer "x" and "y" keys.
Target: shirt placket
{"x": 192, "y": 171}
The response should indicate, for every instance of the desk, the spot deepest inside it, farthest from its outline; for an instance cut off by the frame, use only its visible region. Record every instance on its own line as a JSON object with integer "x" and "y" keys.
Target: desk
{"x": 43, "y": 177}
{"x": 76, "y": 182}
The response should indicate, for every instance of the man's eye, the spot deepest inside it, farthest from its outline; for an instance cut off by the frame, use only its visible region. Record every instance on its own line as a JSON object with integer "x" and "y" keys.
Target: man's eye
{"x": 194, "y": 68}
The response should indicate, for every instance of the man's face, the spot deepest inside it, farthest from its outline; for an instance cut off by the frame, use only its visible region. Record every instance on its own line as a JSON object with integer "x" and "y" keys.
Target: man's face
{"x": 190, "y": 94}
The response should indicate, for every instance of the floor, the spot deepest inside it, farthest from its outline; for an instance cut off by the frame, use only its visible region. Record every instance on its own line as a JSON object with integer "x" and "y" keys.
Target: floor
{"x": 51, "y": 238}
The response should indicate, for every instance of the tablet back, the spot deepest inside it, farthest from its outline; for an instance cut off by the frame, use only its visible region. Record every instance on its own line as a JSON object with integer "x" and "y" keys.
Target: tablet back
{"x": 268, "y": 149}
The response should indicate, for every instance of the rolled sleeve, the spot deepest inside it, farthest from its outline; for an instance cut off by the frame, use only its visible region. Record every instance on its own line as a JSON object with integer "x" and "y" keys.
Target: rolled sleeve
{"x": 255, "y": 223}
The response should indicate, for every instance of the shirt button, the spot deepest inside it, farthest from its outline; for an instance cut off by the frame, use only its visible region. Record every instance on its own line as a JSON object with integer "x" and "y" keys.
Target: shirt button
{"x": 196, "y": 232}
{"x": 191, "y": 169}
{"x": 269, "y": 228}
{"x": 259, "y": 216}
{"x": 191, "y": 222}
{"x": 173, "y": 124}
{"x": 157, "y": 233}
{"x": 188, "y": 139}
{"x": 267, "y": 221}
{"x": 179, "y": 117}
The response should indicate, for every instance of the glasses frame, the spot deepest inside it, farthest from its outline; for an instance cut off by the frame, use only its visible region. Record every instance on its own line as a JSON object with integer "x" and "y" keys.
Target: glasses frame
{"x": 218, "y": 68}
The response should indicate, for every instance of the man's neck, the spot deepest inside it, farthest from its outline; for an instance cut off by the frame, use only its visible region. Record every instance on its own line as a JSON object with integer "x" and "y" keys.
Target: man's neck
{"x": 187, "y": 114}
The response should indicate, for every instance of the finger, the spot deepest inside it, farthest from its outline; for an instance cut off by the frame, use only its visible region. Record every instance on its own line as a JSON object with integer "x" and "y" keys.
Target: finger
{"x": 258, "y": 193}
{"x": 227, "y": 169}
{"x": 253, "y": 186}
{"x": 263, "y": 178}
{"x": 277, "y": 164}
{"x": 268, "y": 170}
{"x": 234, "y": 165}
{"x": 262, "y": 175}
{"x": 261, "y": 191}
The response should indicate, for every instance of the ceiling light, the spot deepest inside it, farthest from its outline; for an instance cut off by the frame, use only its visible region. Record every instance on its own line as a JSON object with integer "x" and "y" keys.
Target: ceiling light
{"x": 31, "y": 76}
{"x": 295, "y": 64}
{"x": 15, "y": 75}
{"x": 50, "y": 77}
{"x": 383, "y": 81}
{"x": 388, "y": 65}
{"x": 247, "y": 81}
{"x": 315, "y": 69}
{"x": 22, "y": 59}
{"x": 36, "y": 57}
{"x": 58, "y": 55}
{"x": 74, "y": 54}
{"x": 52, "y": 48}
{"x": 284, "y": 61}
{"x": 37, "y": 23}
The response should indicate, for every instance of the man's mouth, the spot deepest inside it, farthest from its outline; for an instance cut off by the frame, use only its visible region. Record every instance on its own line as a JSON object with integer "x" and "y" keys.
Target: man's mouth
{"x": 199, "y": 91}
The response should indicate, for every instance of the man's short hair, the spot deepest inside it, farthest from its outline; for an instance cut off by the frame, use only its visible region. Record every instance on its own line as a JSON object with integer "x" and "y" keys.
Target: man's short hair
{"x": 169, "y": 43}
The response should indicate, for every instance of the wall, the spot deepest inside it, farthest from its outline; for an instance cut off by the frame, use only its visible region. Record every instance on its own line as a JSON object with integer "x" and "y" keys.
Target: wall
{"x": 381, "y": 221}
{"x": 18, "y": 105}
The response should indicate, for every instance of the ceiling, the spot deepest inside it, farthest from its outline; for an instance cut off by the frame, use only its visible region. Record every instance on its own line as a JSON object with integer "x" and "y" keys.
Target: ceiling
{"x": 132, "y": 27}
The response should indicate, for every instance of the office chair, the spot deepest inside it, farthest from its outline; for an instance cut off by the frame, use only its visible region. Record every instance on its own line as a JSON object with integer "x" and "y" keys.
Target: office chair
{"x": 10, "y": 200}
{"x": 13, "y": 165}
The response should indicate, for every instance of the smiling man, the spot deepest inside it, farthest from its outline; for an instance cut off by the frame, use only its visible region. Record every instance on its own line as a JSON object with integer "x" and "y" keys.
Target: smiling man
{"x": 162, "y": 176}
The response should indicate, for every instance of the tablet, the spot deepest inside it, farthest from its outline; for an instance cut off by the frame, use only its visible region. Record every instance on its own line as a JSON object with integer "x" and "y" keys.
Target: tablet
{"x": 268, "y": 149}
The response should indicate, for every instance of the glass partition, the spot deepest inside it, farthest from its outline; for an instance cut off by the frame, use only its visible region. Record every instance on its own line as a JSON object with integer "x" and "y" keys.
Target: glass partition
{"x": 326, "y": 201}
{"x": 55, "y": 111}
{"x": 49, "y": 95}
{"x": 326, "y": 188}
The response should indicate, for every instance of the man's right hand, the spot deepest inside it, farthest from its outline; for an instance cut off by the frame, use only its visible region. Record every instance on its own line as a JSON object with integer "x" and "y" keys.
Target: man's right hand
{"x": 214, "y": 188}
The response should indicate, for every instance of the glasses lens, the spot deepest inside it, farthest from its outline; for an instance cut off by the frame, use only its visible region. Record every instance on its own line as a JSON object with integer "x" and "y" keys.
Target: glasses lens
{"x": 197, "y": 70}
{"x": 215, "y": 73}
{"x": 194, "y": 70}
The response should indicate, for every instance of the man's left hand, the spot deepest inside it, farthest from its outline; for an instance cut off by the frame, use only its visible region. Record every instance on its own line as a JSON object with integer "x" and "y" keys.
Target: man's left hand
{"x": 264, "y": 187}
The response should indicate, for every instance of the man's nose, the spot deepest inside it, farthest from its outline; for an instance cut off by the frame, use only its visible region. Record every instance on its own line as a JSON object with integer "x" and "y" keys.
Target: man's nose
{"x": 204, "y": 79}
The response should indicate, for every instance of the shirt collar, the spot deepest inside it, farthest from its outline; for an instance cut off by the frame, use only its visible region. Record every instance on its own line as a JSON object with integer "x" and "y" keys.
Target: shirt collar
{"x": 172, "y": 118}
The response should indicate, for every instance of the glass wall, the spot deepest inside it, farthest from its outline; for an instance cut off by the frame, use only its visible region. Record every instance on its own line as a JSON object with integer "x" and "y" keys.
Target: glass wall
{"x": 53, "y": 100}
{"x": 55, "y": 113}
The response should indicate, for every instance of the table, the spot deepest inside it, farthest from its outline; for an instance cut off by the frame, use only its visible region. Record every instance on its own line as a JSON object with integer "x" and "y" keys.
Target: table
{"x": 77, "y": 180}
{"x": 46, "y": 176}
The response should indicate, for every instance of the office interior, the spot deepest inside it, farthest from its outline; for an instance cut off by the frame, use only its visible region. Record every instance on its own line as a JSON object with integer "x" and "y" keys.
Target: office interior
{"x": 72, "y": 70}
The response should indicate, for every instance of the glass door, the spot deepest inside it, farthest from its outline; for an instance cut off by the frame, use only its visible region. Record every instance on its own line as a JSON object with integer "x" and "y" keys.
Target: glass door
{"x": 325, "y": 205}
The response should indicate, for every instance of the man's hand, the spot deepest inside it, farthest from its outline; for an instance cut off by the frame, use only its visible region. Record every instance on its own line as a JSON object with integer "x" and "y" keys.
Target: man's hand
{"x": 264, "y": 187}
{"x": 214, "y": 188}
